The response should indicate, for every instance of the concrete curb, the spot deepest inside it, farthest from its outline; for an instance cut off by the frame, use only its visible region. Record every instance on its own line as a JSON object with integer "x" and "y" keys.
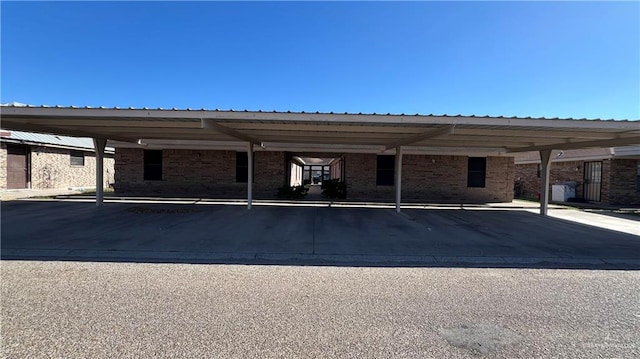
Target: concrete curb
{"x": 317, "y": 259}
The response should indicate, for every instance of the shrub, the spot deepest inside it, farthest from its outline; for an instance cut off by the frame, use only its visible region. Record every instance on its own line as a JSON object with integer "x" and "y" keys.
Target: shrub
{"x": 292, "y": 192}
{"x": 334, "y": 189}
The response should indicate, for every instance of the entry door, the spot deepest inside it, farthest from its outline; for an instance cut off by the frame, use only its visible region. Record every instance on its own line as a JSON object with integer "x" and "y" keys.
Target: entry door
{"x": 592, "y": 181}
{"x": 17, "y": 169}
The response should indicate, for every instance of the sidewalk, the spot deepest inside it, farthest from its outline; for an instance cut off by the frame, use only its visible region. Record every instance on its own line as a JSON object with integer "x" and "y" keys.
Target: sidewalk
{"x": 11, "y": 194}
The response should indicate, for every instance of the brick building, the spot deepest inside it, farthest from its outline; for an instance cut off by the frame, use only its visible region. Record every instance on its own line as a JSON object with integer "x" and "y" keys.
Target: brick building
{"x": 42, "y": 161}
{"x": 217, "y": 174}
{"x": 607, "y": 175}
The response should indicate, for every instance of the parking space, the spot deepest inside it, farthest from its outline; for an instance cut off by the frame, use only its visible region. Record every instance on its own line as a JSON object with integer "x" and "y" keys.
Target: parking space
{"x": 208, "y": 232}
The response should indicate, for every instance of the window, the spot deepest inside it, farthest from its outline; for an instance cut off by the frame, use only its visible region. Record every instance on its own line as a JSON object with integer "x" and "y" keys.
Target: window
{"x": 153, "y": 165}
{"x": 476, "y": 172}
{"x": 242, "y": 167}
{"x": 385, "y": 170}
{"x": 76, "y": 158}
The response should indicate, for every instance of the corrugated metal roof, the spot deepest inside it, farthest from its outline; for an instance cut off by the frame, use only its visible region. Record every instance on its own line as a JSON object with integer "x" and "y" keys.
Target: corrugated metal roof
{"x": 57, "y": 140}
{"x": 272, "y": 129}
{"x": 307, "y": 112}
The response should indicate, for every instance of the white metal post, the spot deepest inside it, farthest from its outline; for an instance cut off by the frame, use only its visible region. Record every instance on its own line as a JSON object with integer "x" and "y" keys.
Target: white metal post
{"x": 98, "y": 145}
{"x": 398, "y": 177}
{"x": 545, "y": 159}
{"x": 250, "y": 176}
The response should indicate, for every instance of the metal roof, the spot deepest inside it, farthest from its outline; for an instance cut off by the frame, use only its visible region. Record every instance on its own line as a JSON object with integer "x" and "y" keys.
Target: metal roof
{"x": 17, "y": 104}
{"x": 47, "y": 139}
{"x": 291, "y": 131}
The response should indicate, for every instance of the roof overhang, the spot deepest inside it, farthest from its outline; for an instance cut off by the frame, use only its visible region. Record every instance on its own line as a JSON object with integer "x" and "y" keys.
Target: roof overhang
{"x": 321, "y": 132}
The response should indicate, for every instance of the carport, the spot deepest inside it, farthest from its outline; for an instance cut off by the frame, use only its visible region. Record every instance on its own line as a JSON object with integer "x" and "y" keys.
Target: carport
{"x": 322, "y": 132}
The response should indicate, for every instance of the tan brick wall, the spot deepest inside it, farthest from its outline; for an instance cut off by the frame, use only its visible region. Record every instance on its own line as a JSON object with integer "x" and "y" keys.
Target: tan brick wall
{"x": 51, "y": 169}
{"x": 3, "y": 166}
{"x": 624, "y": 188}
{"x": 431, "y": 179}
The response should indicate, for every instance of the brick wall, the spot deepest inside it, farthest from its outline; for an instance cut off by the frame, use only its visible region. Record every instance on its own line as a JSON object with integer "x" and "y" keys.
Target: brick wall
{"x": 618, "y": 179}
{"x": 212, "y": 174}
{"x": 607, "y": 177}
{"x": 526, "y": 177}
{"x": 3, "y": 166}
{"x": 623, "y": 188}
{"x": 183, "y": 171}
{"x": 199, "y": 173}
{"x": 431, "y": 179}
{"x": 51, "y": 169}
{"x": 271, "y": 170}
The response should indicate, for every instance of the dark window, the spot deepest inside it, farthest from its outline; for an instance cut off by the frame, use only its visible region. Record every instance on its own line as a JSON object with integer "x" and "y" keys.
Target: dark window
{"x": 385, "y": 170}
{"x": 476, "y": 172}
{"x": 539, "y": 171}
{"x": 153, "y": 165}
{"x": 242, "y": 167}
{"x": 77, "y": 158}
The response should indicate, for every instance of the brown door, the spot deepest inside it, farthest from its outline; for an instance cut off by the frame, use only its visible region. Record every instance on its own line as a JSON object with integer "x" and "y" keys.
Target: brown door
{"x": 16, "y": 166}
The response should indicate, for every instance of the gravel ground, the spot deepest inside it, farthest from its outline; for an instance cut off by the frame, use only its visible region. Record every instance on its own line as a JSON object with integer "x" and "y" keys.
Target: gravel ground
{"x": 127, "y": 310}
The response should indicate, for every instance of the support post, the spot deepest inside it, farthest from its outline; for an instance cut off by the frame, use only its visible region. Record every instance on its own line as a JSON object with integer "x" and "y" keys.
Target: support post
{"x": 545, "y": 160}
{"x": 250, "y": 176}
{"x": 98, "y": 145}
{"x": 398, "y": 177}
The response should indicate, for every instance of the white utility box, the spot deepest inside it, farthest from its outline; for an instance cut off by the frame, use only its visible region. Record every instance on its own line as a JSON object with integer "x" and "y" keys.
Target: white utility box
{"x": 562, "y": 192}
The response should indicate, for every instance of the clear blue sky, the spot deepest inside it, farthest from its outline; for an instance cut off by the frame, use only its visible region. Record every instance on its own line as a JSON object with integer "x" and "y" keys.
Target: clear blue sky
{"x": 567, "y": 59}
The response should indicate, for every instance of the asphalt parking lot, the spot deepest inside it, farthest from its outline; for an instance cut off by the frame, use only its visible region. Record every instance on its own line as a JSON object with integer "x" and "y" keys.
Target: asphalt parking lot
{"x": 202, "y": 232}
{"x": 134, "y": 279}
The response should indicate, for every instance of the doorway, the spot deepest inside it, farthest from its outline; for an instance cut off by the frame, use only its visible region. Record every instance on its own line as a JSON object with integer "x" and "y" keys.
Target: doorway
{"x": 592, "y": 181}
{"x": 17, "y": 167}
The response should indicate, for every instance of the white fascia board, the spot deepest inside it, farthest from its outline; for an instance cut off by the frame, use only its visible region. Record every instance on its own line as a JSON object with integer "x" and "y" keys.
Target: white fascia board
{"x": 626, "y": 151}
{"x": 181, "y": 144}
{"x": 619, "y": 141}
{"x": 288, "y": 147}
{"x": 571, "y": 159}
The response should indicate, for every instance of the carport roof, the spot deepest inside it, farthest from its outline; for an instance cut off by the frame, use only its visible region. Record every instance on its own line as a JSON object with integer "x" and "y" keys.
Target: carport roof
{"x": 188, "y": 128}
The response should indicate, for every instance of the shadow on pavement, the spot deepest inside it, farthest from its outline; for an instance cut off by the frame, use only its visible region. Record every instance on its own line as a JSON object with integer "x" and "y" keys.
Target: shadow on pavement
{"x": 281, "y": 234}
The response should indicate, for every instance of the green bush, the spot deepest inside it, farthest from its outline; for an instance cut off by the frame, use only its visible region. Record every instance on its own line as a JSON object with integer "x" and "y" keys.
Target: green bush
{"x": 334, "y": 189}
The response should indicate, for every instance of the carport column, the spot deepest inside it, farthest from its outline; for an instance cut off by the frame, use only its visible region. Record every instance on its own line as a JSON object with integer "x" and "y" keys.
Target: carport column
{"x": 250, "y": 176}
{"x": 398, "y": 177}
{"x": 99, "y": 144}
{"x": 545, "y": 158}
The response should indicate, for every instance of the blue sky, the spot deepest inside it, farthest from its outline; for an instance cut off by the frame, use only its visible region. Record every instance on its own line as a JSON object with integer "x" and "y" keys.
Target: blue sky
{"x": 568, "y": 59}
